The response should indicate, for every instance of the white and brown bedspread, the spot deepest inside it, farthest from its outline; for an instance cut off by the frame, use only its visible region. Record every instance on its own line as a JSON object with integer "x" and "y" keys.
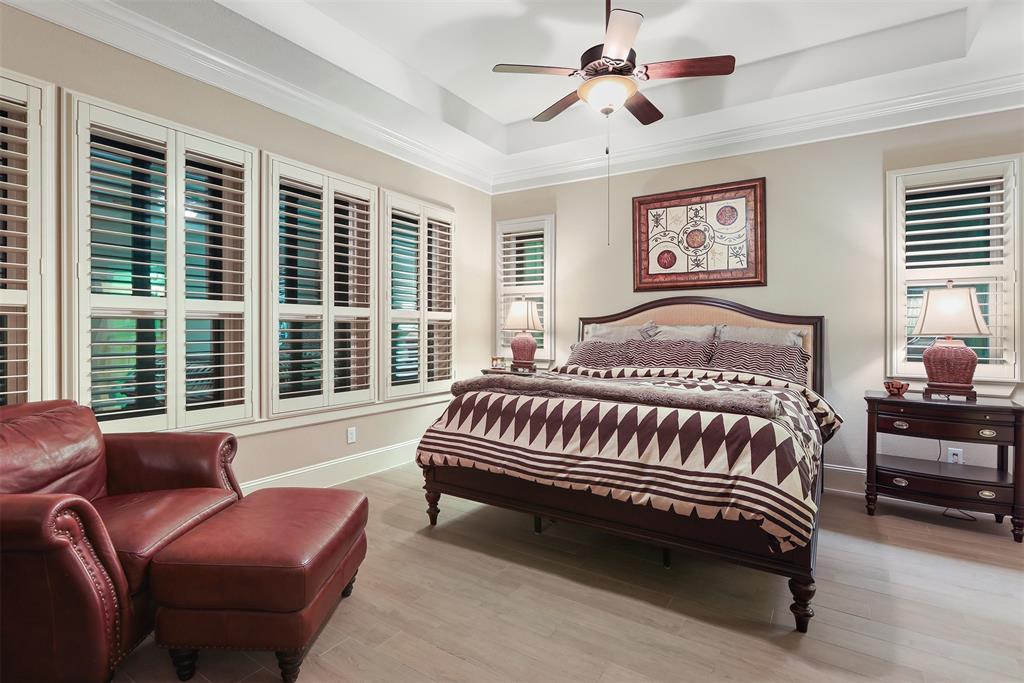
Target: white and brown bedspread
{"x": 694, "y": 441}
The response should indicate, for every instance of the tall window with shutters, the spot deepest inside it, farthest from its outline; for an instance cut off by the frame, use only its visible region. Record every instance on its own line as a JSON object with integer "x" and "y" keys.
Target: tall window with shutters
{"x": 163, "y": 250}
{"x": 524, "y": 268}
{"x": 418, "y": 344}
{"x": 25, "y": 108}
{"x": 960, "y": 223}
{"x": 323, "y": 253}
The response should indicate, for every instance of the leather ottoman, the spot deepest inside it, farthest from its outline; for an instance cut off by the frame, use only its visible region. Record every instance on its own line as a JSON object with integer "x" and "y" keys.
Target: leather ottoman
{"x": 264, "y": 574}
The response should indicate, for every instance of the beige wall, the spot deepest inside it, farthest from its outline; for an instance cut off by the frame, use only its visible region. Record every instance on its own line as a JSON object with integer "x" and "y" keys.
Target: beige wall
{"x": 825, "y": 224}
{"x": 45, "y": 51}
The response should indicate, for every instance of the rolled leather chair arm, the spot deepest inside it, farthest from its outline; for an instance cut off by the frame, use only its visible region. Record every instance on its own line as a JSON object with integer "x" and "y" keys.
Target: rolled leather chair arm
{"x": 62, "y": 586}
{"x": 153, "y": 461}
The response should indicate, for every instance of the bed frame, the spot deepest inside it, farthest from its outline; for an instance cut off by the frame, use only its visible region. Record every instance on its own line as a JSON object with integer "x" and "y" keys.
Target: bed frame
{"x": 741, "y": 541}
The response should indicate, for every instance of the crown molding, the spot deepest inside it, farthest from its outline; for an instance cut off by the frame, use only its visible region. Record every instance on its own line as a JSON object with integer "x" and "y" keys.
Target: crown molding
{"x": 123, "y": 29}
{"x": 986, "y": 97}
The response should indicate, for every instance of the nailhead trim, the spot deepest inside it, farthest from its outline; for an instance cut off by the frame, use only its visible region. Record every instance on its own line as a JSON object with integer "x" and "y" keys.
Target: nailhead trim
{"x": 112, "y": 622}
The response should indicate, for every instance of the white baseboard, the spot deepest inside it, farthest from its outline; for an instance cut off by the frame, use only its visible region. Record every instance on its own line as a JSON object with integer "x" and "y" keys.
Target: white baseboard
{"x": 844, "y": 478}
{"x": 340, "y": 470}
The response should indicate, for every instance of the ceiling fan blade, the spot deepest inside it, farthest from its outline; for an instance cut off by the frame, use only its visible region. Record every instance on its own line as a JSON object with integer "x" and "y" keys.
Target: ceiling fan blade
{"x": 681, "y": 68}
{"x": 621, "y": 33}
{"x": 558, "y": 107}
{"x": 643, "y": 109}
{"x": 531, "y": 69}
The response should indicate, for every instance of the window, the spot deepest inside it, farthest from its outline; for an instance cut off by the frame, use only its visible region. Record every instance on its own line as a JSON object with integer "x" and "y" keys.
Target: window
{"x": 419, "y": 304}
{"x": 323, "y": 254}
{"x": 524, "y": 253}
{"x": 956, "y": 222}
{"x": 164, "y": 252}
{"x": 24, "y": 114}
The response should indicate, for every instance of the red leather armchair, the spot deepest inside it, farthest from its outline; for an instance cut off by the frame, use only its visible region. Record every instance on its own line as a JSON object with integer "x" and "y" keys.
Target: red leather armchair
{"x": 81, "y": 516}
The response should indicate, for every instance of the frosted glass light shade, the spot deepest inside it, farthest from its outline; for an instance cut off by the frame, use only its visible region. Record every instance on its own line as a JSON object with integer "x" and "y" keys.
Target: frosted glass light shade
{"x": 523, "y": 315}
{"x": 607, "y": 93}
{"x": 951, "y": 312}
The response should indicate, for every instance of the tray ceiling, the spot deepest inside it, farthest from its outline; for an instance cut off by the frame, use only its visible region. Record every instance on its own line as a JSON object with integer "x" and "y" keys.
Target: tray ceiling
{"x": 414, "y": 78}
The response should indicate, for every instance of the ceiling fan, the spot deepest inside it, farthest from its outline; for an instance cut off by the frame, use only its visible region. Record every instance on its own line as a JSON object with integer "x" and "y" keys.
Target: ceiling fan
{"x": 610, "y": 73}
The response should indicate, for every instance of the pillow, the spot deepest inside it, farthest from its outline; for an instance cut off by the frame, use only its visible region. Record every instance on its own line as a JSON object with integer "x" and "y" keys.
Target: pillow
{"x": 669, "y": 353}
{"x": 597, "y": 353}
{"x": 775, "y": 336}
{"x": 789, "y": 362}
{"x": 694, "y": 332}
{"x": 618, "y": 333}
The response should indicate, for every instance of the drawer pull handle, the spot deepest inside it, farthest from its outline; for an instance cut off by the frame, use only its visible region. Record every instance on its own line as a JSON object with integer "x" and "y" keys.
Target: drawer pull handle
{"x": 900, "y": 424}
{"x": 987, "y": 433}
{"x": 900, "y": 481}
{"x": 986, "y": 494}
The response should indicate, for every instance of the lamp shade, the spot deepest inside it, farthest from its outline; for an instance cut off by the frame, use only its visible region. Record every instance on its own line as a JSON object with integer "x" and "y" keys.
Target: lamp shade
{"x": 951, "y": 312}
{"x": 523, "y": 315}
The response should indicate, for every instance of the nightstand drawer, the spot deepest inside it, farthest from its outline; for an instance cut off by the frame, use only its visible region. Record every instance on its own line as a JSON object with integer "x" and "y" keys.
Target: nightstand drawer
{"x": 912, "y": 483}
{"x": 936, "y": 429}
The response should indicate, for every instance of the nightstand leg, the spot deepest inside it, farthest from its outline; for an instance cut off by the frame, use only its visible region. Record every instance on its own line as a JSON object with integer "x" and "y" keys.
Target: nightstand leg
{"x": 999, "y": 518}
{"x": 1018, "y": 529}
{"x": 870, "y": 492}
{"x": 872, "y": 499}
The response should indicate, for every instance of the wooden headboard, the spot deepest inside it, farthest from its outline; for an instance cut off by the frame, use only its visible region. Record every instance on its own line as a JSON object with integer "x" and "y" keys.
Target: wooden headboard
{"x": 703, "y": 310}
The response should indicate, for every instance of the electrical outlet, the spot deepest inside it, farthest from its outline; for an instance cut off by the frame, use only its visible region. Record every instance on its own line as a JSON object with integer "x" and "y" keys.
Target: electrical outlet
{"x": 350, "y": 435}
{"x": 955, "y": 455}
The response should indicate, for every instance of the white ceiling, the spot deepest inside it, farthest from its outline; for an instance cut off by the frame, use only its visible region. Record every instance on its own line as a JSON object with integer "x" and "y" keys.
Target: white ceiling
{"x": 414, "y": 79}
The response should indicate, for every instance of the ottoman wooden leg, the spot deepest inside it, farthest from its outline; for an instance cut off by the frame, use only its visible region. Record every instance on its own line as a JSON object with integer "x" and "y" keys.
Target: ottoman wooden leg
{"x": 184, "y": 663}
{"x": 351, "y": 584}
{"x": 289, "y": 663}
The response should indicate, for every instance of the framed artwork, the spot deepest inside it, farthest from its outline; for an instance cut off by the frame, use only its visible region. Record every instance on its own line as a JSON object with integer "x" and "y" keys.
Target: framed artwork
{"x": 710, "y": 236}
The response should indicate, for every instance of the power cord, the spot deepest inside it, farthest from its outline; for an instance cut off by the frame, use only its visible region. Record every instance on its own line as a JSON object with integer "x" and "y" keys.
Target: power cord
{"x": 964, "y": 515}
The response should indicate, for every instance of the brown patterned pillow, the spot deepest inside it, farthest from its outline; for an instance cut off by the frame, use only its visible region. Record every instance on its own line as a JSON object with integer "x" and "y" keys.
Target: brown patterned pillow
{"x": 596, "y": 353}
{"x": 669, "y": 353}
{"x": 788, "y": 362}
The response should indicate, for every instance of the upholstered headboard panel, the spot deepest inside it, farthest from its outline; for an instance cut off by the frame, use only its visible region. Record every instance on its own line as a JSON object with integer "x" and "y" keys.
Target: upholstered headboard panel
{"x": 701, "y": 310}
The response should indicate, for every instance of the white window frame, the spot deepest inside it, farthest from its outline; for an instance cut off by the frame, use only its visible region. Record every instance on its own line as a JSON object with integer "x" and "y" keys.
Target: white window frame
{"x": 80, "y": 111}
{"x": 425, "y": 212}
{"x": 39, "y": 298}
{"x": 546, "y": 224}
{"x": 275, "y": 167}
{"x": 897, "y": 183}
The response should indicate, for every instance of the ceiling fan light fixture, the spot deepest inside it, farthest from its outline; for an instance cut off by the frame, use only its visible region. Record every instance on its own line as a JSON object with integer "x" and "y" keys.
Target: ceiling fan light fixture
{"x": 607, "y": 93}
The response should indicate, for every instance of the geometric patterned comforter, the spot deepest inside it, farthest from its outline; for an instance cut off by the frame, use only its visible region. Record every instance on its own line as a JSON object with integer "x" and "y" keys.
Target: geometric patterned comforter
{"x": 708, "y": 463}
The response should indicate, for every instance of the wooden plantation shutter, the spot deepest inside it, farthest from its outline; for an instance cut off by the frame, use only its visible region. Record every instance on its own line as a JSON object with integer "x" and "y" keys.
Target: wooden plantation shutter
{"x": 958, "y": 223}
{"x": 164, "y": 269}
{"x": 21, "y": 242}
{"x": 419, "y": 307}
{"x": 217, "y": 254}
{"x": 440, "y": 303}
{"x": 324, "y": 256}
{"x": 524, "y": 255}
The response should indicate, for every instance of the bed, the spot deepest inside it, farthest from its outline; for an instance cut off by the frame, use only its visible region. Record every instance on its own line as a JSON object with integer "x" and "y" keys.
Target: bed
{"x": 711, "y": 460}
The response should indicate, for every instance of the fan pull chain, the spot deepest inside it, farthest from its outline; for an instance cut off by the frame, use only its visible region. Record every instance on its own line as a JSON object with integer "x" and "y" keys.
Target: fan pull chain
{"x": 608, "y": 179}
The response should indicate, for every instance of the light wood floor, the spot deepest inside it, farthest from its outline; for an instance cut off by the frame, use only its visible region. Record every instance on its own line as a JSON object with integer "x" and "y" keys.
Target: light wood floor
{"x": 905, "y": 596}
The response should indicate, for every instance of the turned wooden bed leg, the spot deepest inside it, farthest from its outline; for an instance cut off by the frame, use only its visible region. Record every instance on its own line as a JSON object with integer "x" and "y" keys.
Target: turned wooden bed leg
{"x": 184, "y": 663}
{"x": 289, "y": 663}
{"x": 803, "y": 590}
{"x": 432, "y": 509}
{"x": 666, "y": 558}
{"x": 538, "y": 524}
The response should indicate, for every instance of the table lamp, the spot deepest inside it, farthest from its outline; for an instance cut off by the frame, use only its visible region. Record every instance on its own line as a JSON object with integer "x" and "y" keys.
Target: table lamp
{"x": 949, "y": 362}
{"x": 523, "y": 316}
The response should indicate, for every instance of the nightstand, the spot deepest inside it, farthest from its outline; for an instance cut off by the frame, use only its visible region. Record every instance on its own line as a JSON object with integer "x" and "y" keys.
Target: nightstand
{"x": 505, "y": 371}
{"x": 967, "y": 487}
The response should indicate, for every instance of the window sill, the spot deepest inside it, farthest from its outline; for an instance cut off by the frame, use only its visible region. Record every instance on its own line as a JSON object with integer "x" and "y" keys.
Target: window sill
{"x": 333, "y": 414}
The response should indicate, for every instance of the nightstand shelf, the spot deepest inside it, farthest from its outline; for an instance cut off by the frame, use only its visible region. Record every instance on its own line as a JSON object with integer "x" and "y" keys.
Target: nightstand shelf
{"x": 996, "y": 490}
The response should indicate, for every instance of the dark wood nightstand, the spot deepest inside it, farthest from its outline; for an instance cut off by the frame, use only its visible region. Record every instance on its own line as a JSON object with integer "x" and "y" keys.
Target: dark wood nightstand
{"x": 967, "y": 487}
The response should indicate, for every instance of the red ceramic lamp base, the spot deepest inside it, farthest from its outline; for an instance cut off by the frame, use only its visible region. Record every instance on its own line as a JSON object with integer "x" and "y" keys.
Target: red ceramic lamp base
{"x": 524, "y": 348}
{"x": 950, "y": 366}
